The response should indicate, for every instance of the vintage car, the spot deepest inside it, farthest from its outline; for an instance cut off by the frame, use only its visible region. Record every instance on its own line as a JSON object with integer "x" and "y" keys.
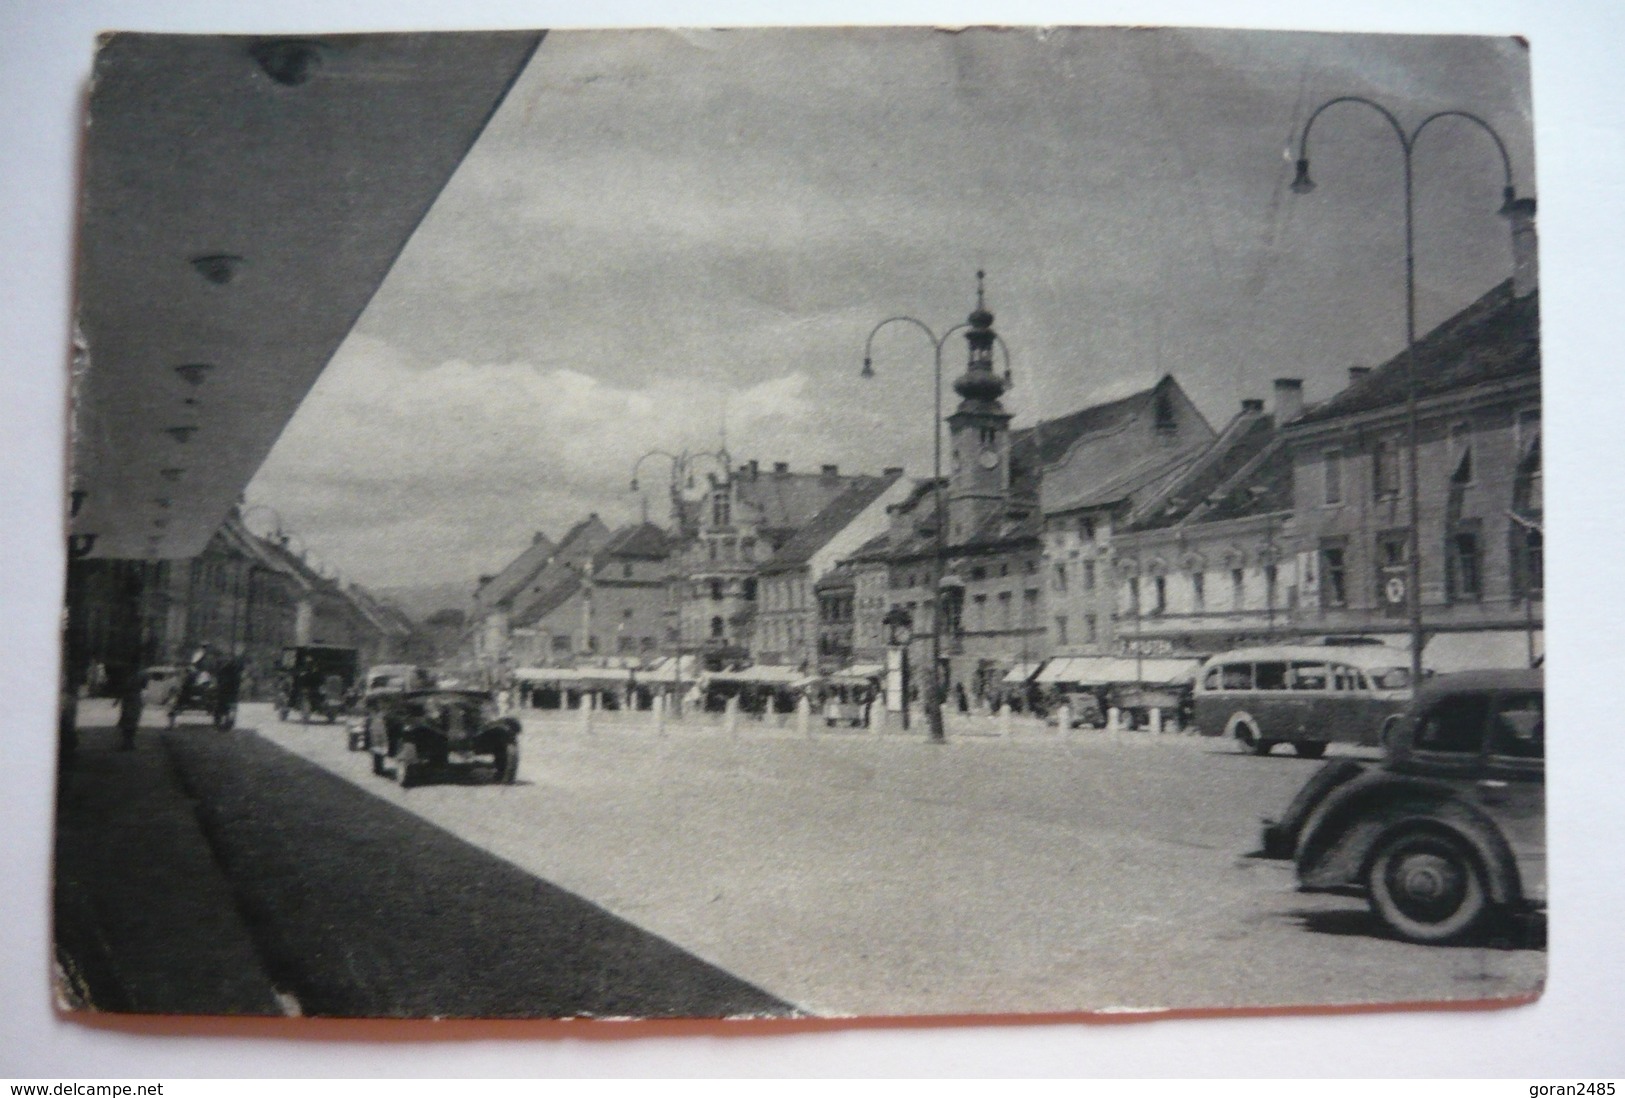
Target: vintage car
{"x": 159, "y": 685}
{"x": 315, "y": 680}
{"x": 1448, "y": 830}
{"x": 380, "y": 683}
{"x": 416, "y": 732}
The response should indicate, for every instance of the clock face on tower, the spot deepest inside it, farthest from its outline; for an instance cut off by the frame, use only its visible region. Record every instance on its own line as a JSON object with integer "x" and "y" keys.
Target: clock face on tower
{"x": 989, "y": 459}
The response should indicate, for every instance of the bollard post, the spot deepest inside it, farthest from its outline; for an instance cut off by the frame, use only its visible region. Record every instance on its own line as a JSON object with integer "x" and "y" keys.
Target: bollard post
{"x": 1004, "y": 719}
{"x": 1156, "y": 720}
{"x": 659, "y": 706}
{"x": 730, "y": 716}
{"x": 804, "y": 716}
{"x": 1064, "y": 719}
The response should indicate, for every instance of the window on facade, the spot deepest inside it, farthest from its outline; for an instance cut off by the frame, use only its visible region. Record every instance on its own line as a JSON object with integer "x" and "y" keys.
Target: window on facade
{"x": 1060, "y": 576}
{"x": 1160, "y": 586}
{"x": 561, "y": 643}
{"x": 626, "y": 571}
{"x": 1086, "y": 528}
{"x": 1032, "y": 567}
{"x": 1238, "y": 587}
{"x": 1165, "y": 411}
{"x": 1270, "y": 577}
{"x": 716, "y": 627}
{"x": 1333, "y": 468}
{"x": 1463, "y": 555}
{"x": 1198, "y": 589}
{"x": 979, "y": 612}
{"x": 1088, "y": 575}
{"x": 1528, "y": 560}
{"x": 1029, "y": 608}
{"x": 625, "y": 644}
{"x": 1091, "y": 630}
{"x": 1004, "y": 570}
{"x": 1385, "y": 469}
{"x": 1461, "y": 454}
{"x": 978, "y": 573}
{"x": 716, "y": 590}
{"x": 1060, "y": 629}
{"x": 750, "y": 588}
{"x": 1004, "y": 610}
{"x": 1333, "y": 576}
{"x": 721, "y": 507}
{"x": 1134, "y": 595}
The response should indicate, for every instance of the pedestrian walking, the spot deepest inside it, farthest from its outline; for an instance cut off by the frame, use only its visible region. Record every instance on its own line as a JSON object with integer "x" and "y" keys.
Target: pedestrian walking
{"x": 129, "y": 710}
{"x": 961, "y": 698}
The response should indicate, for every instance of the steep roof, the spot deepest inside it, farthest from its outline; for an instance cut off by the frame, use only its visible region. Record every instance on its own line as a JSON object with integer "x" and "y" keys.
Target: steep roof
{"x": 1496, "y": 338}
{"x": 637, "y": 541}
{"x": 520, "y": 571}
{"x": 1260, "y": 487}
{"x": 785, "y": 502}
{"x": 829, "y": 522}
{"x": 560, "y": 587}
{"x": 1047, "y": 441}
{"x": 1242, "y": 439}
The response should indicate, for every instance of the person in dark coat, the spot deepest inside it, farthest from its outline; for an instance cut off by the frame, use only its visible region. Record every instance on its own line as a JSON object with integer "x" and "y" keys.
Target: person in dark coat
{"x": 961, "y": 698}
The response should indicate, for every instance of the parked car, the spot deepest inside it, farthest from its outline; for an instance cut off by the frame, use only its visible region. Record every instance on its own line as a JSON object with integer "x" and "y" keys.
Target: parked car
{"x": 417, "y": 732}
{"x": 316, "y": 679}
{"x": 1305, "y": 695}
{"x": 378, "y": 684}
{"x": 1449, "y": 829}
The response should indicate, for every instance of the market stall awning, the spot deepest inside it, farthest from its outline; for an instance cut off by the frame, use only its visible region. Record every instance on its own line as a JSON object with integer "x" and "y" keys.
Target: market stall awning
{"x": 1107, "y": 670}
{"x": 591, "y": 676}
{"x": 761, "y": 675}
{"x": 668, "y": 669}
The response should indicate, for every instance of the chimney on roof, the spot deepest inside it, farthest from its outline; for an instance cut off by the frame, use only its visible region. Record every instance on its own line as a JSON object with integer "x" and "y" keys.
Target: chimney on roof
{"x": 1525, "y": 261}
{"x": 1288, "y": 398}
{"x": 830, "y": 471}
{"x": 1252, "y": 404}
{"x": 781, "y": 467}
{"x": 1358, "y": 374}
{"x": 755, "y": 468}
{"x": 537, "y": 538}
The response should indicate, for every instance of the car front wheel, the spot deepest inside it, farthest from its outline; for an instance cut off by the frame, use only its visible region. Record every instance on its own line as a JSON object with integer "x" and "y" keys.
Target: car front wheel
{"x": 1427, "y": 886}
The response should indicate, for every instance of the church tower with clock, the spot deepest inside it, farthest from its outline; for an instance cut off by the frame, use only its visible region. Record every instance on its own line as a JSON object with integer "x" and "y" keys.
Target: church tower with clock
{"x": 979, "y": 434}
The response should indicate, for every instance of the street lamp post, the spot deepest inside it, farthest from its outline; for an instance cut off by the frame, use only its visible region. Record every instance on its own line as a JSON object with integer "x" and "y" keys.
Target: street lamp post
{"x": 682, "y": 475}
{"x": 1302, "y": 184}
{"x": 933, "y": 680}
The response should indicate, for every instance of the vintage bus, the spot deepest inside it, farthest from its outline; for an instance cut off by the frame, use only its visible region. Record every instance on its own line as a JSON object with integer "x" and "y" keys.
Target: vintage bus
{"x": 1304, "y": 695}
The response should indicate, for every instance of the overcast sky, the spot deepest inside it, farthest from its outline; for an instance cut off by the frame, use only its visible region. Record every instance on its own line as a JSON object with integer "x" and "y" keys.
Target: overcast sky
{"x": 663, "y": 231}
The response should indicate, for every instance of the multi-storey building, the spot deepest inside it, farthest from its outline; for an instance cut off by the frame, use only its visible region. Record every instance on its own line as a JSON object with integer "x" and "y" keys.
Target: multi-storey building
{"x": 1478, "y": 461}
{"x": 747, "y": 516}
{"x": 1204, "y": 563}
{"x": 787, "y": 617}
{"x": 1120, "y": 455}
{"x": 607, "y": 605}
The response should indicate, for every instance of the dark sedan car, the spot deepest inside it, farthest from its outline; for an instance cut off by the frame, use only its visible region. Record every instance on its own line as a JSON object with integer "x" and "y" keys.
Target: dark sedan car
{"x": 417, "y": 732}
{"x": 1449, "y": 828}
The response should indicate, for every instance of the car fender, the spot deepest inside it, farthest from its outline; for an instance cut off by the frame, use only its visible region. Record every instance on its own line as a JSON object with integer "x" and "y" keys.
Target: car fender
{"x": 503, "y": 731}
{"x": 1336, "y": 851}
{"x": 1281, "y": 836}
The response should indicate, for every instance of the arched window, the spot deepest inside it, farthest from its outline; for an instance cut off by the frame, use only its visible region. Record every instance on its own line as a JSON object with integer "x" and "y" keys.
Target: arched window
{"x": 716, "y": 628}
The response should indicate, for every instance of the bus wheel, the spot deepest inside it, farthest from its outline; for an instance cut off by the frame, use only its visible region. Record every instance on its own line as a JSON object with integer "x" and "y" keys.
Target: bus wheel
{"x": 1245, "y": 732}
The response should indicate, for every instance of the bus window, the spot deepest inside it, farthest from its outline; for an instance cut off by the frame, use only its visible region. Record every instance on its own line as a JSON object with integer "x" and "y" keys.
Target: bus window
{"x": 1213, "y": 679}
{"x": 1270, "y": 676}
{"x": 1347, "y": 678}
{"x": 1391, "y": 678}
{"x": 1238, "y": 676}
{"x": 1308, "y": 676}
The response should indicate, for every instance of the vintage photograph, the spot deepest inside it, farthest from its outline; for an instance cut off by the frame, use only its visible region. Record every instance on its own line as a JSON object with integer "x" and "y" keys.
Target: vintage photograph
{"x": 817, "y": 523}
